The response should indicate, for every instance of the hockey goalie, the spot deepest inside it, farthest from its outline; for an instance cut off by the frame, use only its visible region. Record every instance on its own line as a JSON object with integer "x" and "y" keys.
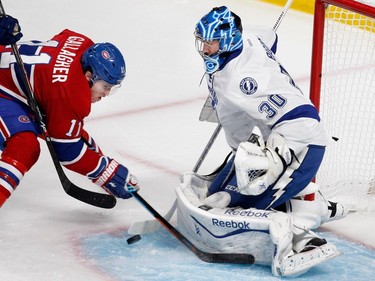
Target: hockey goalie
{"x": 254, "y": 203}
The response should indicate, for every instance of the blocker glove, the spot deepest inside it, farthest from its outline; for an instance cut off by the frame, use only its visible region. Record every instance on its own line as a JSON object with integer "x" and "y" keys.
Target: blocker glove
{"x": 10, "y": 31}
{"x": 117, "y": 180}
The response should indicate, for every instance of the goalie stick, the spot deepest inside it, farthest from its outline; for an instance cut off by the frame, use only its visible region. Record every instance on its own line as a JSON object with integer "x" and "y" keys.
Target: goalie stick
{"x": 93, "y": 198}
{"x": 282, "y": 15}
{"x": 207, "y": 257}
{"x": 149, "y": 226}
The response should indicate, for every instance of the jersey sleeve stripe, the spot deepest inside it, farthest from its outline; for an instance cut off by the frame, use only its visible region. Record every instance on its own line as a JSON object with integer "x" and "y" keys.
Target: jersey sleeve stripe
{"x": 302, "y": 111}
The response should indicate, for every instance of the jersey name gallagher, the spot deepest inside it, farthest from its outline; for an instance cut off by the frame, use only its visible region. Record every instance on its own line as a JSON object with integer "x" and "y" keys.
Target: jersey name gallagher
{"x": 65, "y": 58}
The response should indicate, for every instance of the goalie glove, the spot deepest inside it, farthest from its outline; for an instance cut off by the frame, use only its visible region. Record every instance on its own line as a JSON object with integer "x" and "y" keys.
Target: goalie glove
{"x": 10, "y": 31}
{"x": 117, "y": 180}
{"x": 257, "y": 168}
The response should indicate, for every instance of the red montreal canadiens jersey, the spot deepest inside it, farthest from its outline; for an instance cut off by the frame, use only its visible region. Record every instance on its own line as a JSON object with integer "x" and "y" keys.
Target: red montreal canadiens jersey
{"x": 61, "y": 90}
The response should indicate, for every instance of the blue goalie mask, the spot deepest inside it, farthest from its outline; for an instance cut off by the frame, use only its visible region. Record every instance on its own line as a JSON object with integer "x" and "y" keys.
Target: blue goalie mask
{"x": 221, "y": 25}
{"x": 105, "y": 62}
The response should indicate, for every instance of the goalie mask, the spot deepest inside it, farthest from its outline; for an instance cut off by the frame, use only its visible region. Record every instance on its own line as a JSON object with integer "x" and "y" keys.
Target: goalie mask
{"x": 221, "y": 25}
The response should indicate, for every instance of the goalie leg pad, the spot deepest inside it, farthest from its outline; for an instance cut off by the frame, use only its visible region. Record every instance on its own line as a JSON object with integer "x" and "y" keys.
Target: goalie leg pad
{"x": 282, "y": 236}
{"x": 198, "y": 183}
{"x": 218, "y": 200}
{"x": 290, "y": 261}
{"x": 313, "y": 214}
{"x": 300, "y": 263}
{"x": 307, "y": 214}
{"x": 224, "y": 230}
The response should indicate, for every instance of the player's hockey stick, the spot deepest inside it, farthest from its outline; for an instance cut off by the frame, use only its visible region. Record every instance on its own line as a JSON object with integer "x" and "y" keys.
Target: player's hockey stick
{"x": 149, "y": 226}
{"x": 207, "y": 257}
{"x": 93, "y": 198}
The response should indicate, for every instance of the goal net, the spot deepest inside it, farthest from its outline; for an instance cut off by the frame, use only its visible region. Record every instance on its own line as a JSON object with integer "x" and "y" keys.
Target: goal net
{"x": 343, "y": 89}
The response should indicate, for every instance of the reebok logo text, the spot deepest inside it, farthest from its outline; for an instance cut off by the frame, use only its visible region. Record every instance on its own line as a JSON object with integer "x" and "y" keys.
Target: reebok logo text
{"x": 231, "y": 224}
{"x": 247, "y": 213}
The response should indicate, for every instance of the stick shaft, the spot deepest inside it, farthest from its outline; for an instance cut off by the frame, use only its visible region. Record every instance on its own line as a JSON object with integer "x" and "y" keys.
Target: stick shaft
{"x": 282, "y": 15}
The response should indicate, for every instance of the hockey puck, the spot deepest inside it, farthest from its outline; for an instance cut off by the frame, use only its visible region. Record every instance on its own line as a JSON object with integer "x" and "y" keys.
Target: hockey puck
{"x": 133, "y": 239}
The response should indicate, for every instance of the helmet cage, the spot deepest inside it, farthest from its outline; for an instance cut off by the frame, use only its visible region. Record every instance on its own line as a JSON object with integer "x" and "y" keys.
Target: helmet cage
{"x": 200, "y": 42}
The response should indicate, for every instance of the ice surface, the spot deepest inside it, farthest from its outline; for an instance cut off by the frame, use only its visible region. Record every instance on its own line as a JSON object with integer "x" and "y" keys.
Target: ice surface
{"x": 111, "y": 254}
{"x": 151, "y": 125}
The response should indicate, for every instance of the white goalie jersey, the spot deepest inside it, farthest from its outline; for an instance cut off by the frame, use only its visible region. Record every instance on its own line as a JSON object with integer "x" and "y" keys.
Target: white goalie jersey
{"x": 254, "y": 89}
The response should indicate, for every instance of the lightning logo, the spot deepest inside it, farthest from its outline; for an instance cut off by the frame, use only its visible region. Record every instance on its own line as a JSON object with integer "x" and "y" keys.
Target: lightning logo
{"x": 279, "y": 192}
{"x": 280, "y": 188}
{"x": 285, "y": 182}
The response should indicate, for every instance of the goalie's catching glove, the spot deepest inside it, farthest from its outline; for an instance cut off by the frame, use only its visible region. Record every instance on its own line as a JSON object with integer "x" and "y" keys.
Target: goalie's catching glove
{"x": 10, "y": 31}
{"x": 258, "y": 167}
{"x": 117, "y": 180}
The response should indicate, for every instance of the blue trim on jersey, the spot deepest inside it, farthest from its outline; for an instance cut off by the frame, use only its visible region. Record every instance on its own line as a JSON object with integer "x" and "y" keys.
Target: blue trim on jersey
{"x": 9, "y": 96}
{"x": 68, "y": 151}
{"x": 274, "y": 46}
{"x": 17, "y": 118}
{"x": 302, "y": 111}
{"x": 27, "y": 50}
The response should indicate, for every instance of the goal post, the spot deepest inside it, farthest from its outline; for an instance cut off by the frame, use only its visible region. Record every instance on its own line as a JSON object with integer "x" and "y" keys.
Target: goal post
{"x": 343, "y": 89}
{"x": 352, "y": 10}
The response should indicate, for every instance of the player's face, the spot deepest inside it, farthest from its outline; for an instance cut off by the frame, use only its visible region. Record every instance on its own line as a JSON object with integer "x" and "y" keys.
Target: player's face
{"x": 100, "y": 88}
{"x": 206, "y": 48}
{"x": 210, "y": 48}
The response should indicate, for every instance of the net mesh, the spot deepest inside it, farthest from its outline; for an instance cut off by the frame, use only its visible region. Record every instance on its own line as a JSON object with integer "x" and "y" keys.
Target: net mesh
{"x": 347, "y": 104}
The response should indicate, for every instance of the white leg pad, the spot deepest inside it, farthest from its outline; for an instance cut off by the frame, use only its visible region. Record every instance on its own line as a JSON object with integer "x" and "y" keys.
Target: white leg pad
{"x": 199, "y": 184}
{"x": 307, "y": 214}
{"x": 300, "y": 263}
{"x": 315, "y": 213}
{"x": 218, "y": 200}
{"x": 282, "y": 236}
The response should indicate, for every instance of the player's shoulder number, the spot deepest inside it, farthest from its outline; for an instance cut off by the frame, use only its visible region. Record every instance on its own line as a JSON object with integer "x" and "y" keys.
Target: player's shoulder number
{"x": 8, "y": 58}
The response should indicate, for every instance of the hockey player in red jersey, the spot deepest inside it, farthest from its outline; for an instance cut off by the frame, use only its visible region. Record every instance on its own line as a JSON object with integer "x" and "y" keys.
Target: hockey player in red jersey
{"x": 67, "y": 74}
